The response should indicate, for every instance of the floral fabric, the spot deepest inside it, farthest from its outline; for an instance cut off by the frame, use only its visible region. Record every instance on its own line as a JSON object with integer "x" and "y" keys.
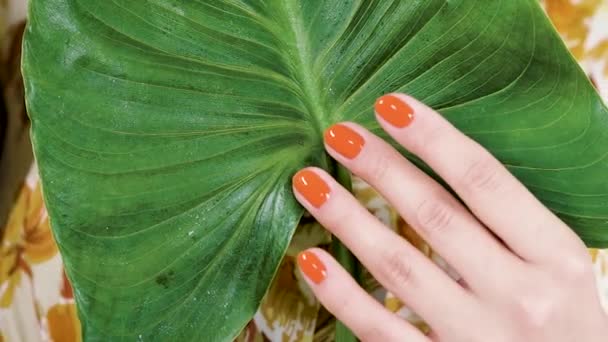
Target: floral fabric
{"x": 36, "y": 300}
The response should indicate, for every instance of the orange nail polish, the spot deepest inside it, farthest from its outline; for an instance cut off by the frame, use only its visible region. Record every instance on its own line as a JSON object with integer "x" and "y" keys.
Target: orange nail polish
{"x": 394, "y": 111}
{"x": 344, "y": 140}
{"x": 312, "y": 187}
{"x": 312, "y": 267}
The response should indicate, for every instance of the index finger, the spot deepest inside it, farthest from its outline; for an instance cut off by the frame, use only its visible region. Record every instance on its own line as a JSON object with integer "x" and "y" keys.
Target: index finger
{"x": 488, "y": 189}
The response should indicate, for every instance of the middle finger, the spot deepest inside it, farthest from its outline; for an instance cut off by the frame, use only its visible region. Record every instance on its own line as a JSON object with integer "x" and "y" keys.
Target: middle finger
{"x": 396, "y": 264}
{"x": 435, "y": 214}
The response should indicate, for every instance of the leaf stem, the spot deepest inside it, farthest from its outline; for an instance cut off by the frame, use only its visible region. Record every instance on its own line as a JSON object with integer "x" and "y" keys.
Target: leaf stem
{"x": 344, "y": 257}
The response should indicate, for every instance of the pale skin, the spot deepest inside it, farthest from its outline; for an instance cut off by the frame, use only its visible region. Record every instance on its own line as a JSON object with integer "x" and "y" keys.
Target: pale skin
{"x": 525, "y": 275}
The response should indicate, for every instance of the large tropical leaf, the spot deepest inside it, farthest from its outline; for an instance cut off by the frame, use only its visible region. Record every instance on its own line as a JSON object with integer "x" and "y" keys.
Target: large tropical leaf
{"x": 167, "y": 132}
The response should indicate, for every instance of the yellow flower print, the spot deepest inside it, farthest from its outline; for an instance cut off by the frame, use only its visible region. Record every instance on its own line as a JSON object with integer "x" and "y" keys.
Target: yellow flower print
{"x": 289, "y": 310}
{"x": 572, "y": 20}
{"x": 62, "y": 318}
{"x": 10, "y": 277}
{"x": 27, "y": 240}
{"x": 249, "y": 334}
{"x": 63, "y": 323}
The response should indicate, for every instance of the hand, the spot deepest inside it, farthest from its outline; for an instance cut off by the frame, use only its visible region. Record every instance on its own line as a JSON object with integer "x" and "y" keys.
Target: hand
{"x": 527, "y": 276}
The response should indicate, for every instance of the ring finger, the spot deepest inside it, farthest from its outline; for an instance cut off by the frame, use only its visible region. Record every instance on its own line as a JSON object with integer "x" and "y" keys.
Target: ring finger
{"x": 341, "y": 295}
{"x": 435, "y": 214}
{"x": 400, "y": 267}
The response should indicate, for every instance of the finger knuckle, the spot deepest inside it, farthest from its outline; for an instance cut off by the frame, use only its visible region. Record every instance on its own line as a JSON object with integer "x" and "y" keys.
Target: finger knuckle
{"x": 372, "y": 334}
{"x": 483, "y": 174}
{"x": 434, "y": 215}
{"x": 341, "y": 306}
{"x": 431, "y": 140}
{"x": 337, "y": 218}
{"x": 576, "y": 268}
{"x": 536, "y": 310}
{"x": 378, "y": 168}
{"x": 395, "y": 268}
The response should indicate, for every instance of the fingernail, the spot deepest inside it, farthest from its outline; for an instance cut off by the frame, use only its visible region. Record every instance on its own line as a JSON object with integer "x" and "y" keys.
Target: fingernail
{"x": 312, "y": 187}
{"x": 344, "y": 140}
{"x": 394, "y": 111}
{"x": 312, "y": 267}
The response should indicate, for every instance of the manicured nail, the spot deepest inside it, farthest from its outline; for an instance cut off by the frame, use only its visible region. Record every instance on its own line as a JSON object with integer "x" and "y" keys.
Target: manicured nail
{"x": 394, "y": 111}
{"x": 312, "y": 187}
{"x": 344, "y": 140}
{"x": 312, "y": 267}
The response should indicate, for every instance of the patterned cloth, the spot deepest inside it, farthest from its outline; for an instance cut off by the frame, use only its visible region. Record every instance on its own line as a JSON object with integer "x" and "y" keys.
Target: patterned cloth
{"x": 36, "y": 301}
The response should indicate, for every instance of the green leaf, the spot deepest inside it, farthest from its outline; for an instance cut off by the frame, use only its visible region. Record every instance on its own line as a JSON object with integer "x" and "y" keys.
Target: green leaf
{"x": 167, "y": 132}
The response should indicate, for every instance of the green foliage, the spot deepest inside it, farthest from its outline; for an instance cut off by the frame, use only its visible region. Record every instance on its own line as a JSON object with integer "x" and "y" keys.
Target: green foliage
{"x": 167, "y": 132}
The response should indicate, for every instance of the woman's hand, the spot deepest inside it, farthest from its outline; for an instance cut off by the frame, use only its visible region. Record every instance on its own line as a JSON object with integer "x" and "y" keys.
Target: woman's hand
{"x": 526, "y": 275}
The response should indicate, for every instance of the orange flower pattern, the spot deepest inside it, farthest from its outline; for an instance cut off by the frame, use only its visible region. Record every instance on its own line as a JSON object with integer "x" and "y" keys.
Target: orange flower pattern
{"x": 28, "y": 254}
{"x": 27, "y": 240}
{"x": 62, "y": 319}
{"x": 582, "y": 24}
